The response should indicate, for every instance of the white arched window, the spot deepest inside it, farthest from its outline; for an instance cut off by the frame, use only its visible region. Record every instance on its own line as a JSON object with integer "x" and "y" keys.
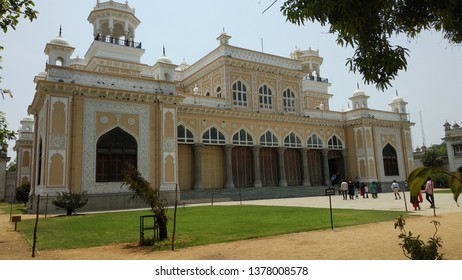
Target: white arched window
{"x": 269, "y": 140}
{"x": 292, "y": 141}
{"x": 314, "y": 142}
{"x": 184, "y": 135}
{"x": 335, "y": 143}
{"x": 213, "y": 136}
{"x": 289, "y": 101}
{"x": 266, "y": 97}
{"x": 239, "y": 94}
{"x": 242, "y": 138}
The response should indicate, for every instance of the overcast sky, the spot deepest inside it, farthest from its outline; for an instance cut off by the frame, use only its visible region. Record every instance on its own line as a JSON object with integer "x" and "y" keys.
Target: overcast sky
{"x": 189, "y": 29}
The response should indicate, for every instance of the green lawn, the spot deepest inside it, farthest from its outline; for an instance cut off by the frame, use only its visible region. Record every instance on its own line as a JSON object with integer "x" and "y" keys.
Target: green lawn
{"x": 15, "y": 208}
{"x": 195, "y": 225}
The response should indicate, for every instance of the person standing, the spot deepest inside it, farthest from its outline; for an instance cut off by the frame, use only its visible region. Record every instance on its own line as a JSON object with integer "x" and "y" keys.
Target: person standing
{"x": 395, "y": 189}
{"x": 373, "y": 189}
{"x": 416, "y": 202}
{"x": 429, "y": 189}
{"x": 344, "y": 189}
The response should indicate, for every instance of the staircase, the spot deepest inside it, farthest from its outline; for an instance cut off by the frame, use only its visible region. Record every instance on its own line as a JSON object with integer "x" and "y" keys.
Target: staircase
{"x": 237, "y": 194}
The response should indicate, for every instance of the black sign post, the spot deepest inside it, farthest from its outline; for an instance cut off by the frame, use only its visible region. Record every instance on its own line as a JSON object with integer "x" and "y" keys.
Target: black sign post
{"x": 330, "y": 192}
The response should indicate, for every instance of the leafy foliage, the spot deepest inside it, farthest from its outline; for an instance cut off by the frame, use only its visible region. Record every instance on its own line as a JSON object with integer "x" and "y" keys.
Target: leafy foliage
{"x": 11, "y": 11}
{"x": 5, "y": 134}
{"x": 143, "y": 191}
{"x": 416, "y": 249}
{"x": 432, "y": 156}
{"x": 70, "y": 201}
{"x": 368, "y": 25}
{"x": 22, "y": 193}
{"x": 419, "y": 176}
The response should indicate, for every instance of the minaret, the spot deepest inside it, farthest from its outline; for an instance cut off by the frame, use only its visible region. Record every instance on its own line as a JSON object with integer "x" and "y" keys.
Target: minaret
{"x": 359, "y": 99}
{"x": 398, "y": 105}
{"x": 23, "y": 149}
{"x": 59, "y": 51}
{"x": 114, "y": 28}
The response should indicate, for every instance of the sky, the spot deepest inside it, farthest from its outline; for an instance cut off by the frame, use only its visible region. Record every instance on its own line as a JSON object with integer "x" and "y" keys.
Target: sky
{"x": 188, "y": 30}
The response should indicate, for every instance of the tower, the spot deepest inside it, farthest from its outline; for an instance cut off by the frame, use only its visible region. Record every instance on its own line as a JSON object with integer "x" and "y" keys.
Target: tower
{"x": 23, "y": 150}
{"x": 59, "y": 51}
{"x": 114, "y": 28}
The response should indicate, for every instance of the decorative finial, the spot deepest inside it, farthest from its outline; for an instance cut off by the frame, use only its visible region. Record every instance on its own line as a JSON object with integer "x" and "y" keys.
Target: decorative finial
{"x": 163, "y": 50}
{"x": 357, "y": 85}
{"x": 396, "y": 92}
{"x": 60, "y": 30}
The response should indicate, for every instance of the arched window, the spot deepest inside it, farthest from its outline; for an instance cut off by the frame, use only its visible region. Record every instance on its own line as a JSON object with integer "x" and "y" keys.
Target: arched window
{"x": 218, "y": 91}
{"x": 268, "y": 140}
{"x": 390, "y": 161}
{"x": 242, "y": 138}
{"x": 239, "y": 94}
{"x": 213, "y": 136}
{"x": 334, "y": 143}
{"x": 292, "y": 141}
{"x": 113, "y": 150}
{"x": 314, "y": 142}
{"x": 266, "y": 97}
{"x": 289, "y": 101}
{"x": 184, "y": 135}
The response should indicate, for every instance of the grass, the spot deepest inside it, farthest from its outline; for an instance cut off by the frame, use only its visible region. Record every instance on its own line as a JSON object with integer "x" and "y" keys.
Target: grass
{"x": 15, "y": 208}
{"x": 195, "y": 225}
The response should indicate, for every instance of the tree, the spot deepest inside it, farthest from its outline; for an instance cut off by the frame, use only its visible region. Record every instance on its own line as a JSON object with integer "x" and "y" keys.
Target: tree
{"x": 5, "y": 134}
{"x": 433, "y": 156}
{"x": 11, "y": 11}
{"x": 369, "y": 25}
{"x": 70, "y": 201}
{"x": 22, "y": 193}
{"x": 143, "y": 191}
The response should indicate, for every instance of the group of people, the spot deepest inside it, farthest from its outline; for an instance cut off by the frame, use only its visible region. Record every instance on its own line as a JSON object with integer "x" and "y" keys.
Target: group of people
{"x": 352, "y": 189}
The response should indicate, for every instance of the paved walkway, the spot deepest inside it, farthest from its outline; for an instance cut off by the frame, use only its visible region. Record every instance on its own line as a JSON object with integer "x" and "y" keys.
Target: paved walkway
{"x": 385, "y": 201}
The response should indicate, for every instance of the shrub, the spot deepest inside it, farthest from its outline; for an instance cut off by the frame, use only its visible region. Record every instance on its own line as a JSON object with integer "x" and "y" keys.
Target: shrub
{"x": 416, "y": 249}
{"x": 70, "y": 201}
{"x": 22, "y": 193}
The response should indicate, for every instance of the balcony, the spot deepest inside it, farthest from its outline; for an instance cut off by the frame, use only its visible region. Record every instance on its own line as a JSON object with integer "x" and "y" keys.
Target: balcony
{"x": 317, "y": 79}
{"x": 117, "y": 41}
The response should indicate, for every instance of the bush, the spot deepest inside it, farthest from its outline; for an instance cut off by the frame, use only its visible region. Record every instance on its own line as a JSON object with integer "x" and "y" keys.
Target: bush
{"x": 22, "y": 193}
{"x": 416, "y": 249}
{"x": 70, "y": 201}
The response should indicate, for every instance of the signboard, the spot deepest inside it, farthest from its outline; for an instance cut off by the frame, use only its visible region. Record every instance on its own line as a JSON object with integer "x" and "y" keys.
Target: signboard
{"x": 330, "y": 191}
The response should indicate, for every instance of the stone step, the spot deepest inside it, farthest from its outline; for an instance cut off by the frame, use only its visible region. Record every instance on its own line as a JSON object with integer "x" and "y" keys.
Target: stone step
{"x": 237, "y": 194}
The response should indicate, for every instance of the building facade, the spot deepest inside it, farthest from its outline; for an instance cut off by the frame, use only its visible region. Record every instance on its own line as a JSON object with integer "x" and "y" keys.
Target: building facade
{"x": 235, "y": 118}
{"x": 453, "y": 139}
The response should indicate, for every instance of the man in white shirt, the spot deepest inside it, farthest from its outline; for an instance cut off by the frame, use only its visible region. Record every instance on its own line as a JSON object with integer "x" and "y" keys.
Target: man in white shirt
{"x": 395, "y": 189}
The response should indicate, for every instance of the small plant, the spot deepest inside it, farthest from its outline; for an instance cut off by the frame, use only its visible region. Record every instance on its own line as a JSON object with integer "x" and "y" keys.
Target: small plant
{"x": 22, "y": 193}
{"x": 416, "y": 249}
{"x": 70, "y": 201}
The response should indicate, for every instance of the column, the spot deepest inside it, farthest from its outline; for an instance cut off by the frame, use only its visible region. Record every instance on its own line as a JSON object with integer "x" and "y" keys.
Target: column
{"x": 345, "y": 163}
{"x": 229, "y": 167}
{"x": 305, "y": 174}
{"x": 256, "y": 166}
{"x": 325, "y": 162}
{"x": 198, "y": 159}
{"x": 282, "y": 168}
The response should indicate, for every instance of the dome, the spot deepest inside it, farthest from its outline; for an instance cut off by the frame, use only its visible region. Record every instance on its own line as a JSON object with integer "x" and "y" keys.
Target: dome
{"x": 28, "y": 119}
{"x": 164, "y": 59}
{"x": 359, "y": 92}
{"x": 42, "y": 74}
{"x": 60, "y": 41}
{"x": 397, "y": 99}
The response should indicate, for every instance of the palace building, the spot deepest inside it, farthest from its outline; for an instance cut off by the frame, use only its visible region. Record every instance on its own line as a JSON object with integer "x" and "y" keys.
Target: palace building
{"x": 237, "y": 118}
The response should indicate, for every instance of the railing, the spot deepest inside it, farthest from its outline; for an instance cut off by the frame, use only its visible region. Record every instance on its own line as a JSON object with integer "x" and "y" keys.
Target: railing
{"x": 117, "y": 41}
{"x": 318, "y": 79}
